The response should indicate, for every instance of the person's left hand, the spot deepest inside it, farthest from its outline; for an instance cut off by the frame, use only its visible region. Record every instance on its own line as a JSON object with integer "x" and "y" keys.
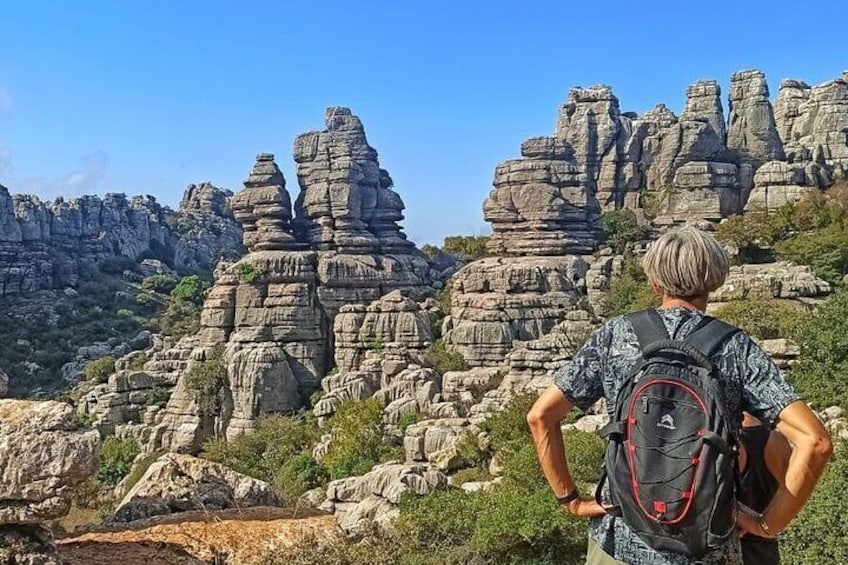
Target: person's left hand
{"x": 747, "y": 523}
{"x": 585, "y": 508}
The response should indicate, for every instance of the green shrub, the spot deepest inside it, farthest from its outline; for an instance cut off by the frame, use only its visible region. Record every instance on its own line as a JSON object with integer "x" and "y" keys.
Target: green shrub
{"x": 158, "y": 396}
{"x": 116, "y": 458}
{"x": 376, "y": 346}
{"x": 248, "y": 273}
{"x": 471, "y": 475}
{"x": 764, "y": 318}
{"x": 98, "y": 371}
{"x": 125, "y": 313}
{"x": 117, "y": 264}
{"x": 820, "y": 533}
{"x": 821, "y": 374}
{"x": 278, "y": 451}
{"x": 825, "y": 250}
{"x": 359, "y": 439}
{"x": 473, "y": 247}
{"x": 189, "y": 289}
{"x": 622, "y": 227}
{"x": 181, "y": 319}
{"x": 443, "y": 297}
{"x": 442, "y": 359}
{"x": 163, "y": 284}
{"x": 429, "y": 251}
{"x": 630, "y": 291}
{"x": 206, "y": 379}
{"x": 137, "y": 362}
{"x": 407, "y": 419}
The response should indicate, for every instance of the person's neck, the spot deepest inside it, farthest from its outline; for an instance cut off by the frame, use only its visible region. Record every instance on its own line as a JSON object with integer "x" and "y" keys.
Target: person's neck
{"x": 694, "y": 303}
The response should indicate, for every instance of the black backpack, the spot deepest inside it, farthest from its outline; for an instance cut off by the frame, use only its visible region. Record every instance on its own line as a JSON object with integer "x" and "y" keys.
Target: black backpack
{"x": 671, "y": 451}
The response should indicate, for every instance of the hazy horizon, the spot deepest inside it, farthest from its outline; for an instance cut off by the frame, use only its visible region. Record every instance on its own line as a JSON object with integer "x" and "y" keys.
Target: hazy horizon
{"x": 147, "y": 97}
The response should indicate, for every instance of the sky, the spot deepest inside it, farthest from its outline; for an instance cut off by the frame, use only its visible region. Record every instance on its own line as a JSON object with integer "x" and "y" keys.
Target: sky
{"x": 147, "y": 96}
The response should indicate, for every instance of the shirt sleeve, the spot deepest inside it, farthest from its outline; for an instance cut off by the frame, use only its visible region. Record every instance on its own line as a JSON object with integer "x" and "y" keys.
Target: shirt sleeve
{"x": 764, "y": 390}
{"x": 582, "y": 381}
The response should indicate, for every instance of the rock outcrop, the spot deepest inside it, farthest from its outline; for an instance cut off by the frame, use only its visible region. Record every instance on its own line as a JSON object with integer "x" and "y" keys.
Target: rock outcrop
{"x": 374, "y": 497}
{"x": 43, "y": 244}
{"x": 44, "y": 454}
{"x": 752, "y": 131}
{"x": 180, "y": 483}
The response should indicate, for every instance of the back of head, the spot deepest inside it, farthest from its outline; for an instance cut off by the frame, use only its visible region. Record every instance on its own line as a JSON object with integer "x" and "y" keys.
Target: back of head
{"x": 686, "y": 262}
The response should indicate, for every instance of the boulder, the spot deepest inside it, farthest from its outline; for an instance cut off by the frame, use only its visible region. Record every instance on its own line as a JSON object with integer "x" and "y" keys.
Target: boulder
{"x": 179, "y": 483}
{"x": 28, "y": 545}
{"x": 44, "y": 453}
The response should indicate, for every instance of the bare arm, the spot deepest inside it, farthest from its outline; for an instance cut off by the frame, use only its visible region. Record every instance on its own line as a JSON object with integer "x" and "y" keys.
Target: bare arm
{"x": 811, "y": 450}
{"x": 544, "y": 420}
{"x": 777, "y": 454}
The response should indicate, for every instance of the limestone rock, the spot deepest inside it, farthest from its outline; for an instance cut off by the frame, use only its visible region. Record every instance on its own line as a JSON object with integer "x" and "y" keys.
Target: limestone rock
{"x": 179, "y": 483}
{"x": 28, "y": 545}
{"x": 752, "y": 131}
{"x": 496, "y": 301}
{"x": 778, "y": 280}
{"x": 374, "y": 496}
{"x": 346, "y": 202}
{"x": 703, "y": 102}
{"x": 777, "y": 183}
{"x": 813, "y": 121}
{"x": 44, "y": 454}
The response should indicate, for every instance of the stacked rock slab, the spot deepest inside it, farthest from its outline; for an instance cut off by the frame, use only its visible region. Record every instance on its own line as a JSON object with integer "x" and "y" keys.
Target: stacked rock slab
{"x": 777, "y": 183}
{"x": 813, "y": 122}
{"x": 752, "y": 132}
{"x": 264, "y": 311}
{"x": 498, "y": 301}
{"x": 348, "y": 211}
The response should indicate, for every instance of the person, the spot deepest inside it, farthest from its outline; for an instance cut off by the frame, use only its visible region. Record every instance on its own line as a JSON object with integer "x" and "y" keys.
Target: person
{"x": 763, "y": 461}
{"x": 683, "y": 266}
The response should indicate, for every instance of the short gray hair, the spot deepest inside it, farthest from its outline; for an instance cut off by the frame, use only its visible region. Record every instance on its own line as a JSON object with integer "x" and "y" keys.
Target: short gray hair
{"x": 686, "y": 262}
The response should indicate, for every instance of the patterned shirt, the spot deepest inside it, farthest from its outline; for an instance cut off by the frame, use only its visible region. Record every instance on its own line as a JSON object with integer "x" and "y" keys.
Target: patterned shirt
{"x": 748, "y": 377}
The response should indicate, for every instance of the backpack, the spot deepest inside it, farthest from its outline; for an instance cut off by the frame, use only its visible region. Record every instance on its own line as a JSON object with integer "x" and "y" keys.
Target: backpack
{"x": 670, "y": 459}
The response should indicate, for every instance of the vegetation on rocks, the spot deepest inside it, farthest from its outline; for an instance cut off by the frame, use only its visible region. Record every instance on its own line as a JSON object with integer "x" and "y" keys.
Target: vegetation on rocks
{"x": 764, "y": 318}
{"x": 630, "y": 291}
{"x": 116, "y": 459}
{"x": 98, "y": 371}
{"x": 248, "y": 273}
{"x": 359, "y": 439}
{"x": 471, "y": 246}
{"x": 621, "y": 227}
{"x": 205, "y": 380}
{"x": 278, "y": 451}
{"x": 442, "y": 359}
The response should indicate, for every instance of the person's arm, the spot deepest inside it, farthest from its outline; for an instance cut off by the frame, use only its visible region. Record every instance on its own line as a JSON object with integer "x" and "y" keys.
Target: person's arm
{"x": 544, "y": 420}
{"x": 811, "y": 450}
{"x": 777, "y": 454}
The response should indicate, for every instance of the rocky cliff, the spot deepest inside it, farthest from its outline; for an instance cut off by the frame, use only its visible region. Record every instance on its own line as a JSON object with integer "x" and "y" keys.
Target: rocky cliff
{"x": 43, "y": 244}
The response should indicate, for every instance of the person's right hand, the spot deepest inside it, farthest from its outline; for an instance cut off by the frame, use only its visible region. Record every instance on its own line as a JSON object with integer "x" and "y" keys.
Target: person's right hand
{"x": 747, "y": 522}
{"x": 585, "y": 508}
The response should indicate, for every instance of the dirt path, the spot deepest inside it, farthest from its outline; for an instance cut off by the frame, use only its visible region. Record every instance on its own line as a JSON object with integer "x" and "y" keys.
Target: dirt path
{"x": 194, "y": 538}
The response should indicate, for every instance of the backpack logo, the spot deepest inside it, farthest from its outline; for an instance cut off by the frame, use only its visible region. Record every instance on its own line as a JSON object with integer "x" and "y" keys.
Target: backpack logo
{"x": 666, "y": 422}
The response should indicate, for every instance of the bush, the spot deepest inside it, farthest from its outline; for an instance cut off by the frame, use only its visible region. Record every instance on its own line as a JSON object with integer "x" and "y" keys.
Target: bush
{"x": 116, "y": 458}
{"x": 622, "y": 227}
{"x": 189, "y": 289}
{"x": 821, "y": 374}
{"x": 181, "y": 319}
{"x": 430, "y": 251}
{"x": 630, "y": 291}
{"x": 98, "y": 371}
{"x": 359, "y": 439}
{"x": 248, "y": 273}
{"x": 820, "y": 533}
{"x": 442, "y": 359}
{"x": 443, "y": 297}
{"x": 825, "y": 250}
{"x": 163, "y": 284}
{"x": 407, "y": 419}
{"x": 764, "y": 318}
{"x": 473, "y": 247}
{"x": 278, "y": 451}
{"x": 116, "y": 265}
{"x": 206, "y": 380}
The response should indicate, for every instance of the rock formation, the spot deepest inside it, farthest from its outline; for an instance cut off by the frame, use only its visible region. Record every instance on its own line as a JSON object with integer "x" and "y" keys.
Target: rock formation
{"x": 752, "y": 132}
{"x": 44, "y": 454}
{"x": 179, "y": 483}
{"x": 43, "y": 244}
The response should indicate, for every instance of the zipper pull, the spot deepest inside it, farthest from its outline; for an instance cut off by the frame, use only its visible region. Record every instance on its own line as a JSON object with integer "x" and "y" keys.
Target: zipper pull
{"x": 645, "y": 407}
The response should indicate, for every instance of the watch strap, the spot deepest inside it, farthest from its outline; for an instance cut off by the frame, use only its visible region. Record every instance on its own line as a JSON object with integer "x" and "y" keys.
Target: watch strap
{"x": 573, "y": 495}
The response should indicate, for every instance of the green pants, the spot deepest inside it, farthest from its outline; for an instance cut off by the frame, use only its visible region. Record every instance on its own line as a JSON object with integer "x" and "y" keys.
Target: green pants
{"x": 597, "y": 556}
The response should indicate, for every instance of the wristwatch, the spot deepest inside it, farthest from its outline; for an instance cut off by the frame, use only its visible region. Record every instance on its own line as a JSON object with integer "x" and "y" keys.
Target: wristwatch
{"x": 761, "y": 520}
{"x": 573, "y": 495}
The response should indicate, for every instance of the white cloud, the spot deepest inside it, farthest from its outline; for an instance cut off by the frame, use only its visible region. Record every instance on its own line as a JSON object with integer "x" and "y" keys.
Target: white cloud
{"x": 5, "y": 100}
{"x": 87, "y": 178}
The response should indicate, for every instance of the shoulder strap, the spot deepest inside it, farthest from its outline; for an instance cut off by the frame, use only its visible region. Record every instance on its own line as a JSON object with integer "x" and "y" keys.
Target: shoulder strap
{"x": 709, "y": 334}
{"x": 649, "y": 327}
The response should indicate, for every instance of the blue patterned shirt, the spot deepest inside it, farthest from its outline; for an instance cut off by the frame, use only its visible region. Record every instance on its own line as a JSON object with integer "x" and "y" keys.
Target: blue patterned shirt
{"x": 750, "y": 381}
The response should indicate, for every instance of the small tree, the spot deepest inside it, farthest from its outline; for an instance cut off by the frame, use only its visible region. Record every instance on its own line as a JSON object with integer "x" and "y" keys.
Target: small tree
{"x": 116, "y": 459}
{"x": 189, "y": 289}
{"x": 98, "y": 371}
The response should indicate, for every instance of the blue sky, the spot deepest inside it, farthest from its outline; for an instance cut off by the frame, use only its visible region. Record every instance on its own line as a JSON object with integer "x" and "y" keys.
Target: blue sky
{"x": 144, "y": 97}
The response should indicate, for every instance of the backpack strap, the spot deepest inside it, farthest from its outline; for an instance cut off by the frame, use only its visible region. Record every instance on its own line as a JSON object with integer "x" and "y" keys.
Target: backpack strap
{"x": 709, "y": 334}
{"x": 649, "y": 327}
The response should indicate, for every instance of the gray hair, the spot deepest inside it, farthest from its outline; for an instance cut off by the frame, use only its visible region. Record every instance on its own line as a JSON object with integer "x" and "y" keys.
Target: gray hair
{"x": 686, "y": 262}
